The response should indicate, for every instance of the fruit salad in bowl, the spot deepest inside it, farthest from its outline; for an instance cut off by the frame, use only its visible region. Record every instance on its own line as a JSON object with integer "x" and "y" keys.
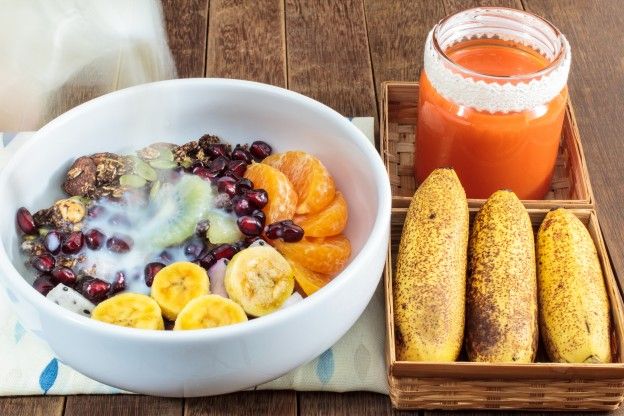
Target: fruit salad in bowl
{"x": 190, "y": 240}
{"x": 191, "y": 236}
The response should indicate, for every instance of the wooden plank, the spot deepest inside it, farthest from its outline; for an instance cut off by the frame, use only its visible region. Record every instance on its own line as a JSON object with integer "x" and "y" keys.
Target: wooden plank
{"x": 596, "y": 83}
{"x": 327, "y": 50}
{"x": 246, "y": 40}
{"x": 359, "y": 403}
{"x": 122, "y": 405}
{"x": 186, "y": 22}
{"x": 32, "y": 406}
{"x": 454, "y": 6}
{"x": 252, "y": 403}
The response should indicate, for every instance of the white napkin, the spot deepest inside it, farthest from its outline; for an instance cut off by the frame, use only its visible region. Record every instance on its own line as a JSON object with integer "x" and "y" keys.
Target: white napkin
{"x": 355, "y": 362}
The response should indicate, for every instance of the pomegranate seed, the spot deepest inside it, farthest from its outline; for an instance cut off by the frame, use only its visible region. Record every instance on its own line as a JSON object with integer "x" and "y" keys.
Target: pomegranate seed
{"x": 258, "y": 197}
{"x": 25, "y": 221}
{"x": 64, "y": 275}
{"x": 44, "y": 263}
{"x": 165, "y": 256}
{"x": 239, "y": 153}
{"x": 248, "y": 225}
{"x": 218, "y": 165}
{"x": 250, "y": 240}
{"x": 52, "y": 242}
{"x": 274, "y": 231}
{"x": 259, "y": 150}
{"x": 119, "y": 244}
{"x": 205, "y": 174}
{"x": 224, "y": 251}
{"x": 150, "y": 272}
{"x": 94, "y": 289}
{"x": 292, "y": 233}
{"x": 257, "y": 213}
{"x": 94, "y": 239}
{"x": 193, "y": 250}
{"x": 241, "y": 205}
{"x": 226, "y": 185}
{"x": 238, "y": 167}
{"x": 73, "y": 243}
{"x": 217, "y": 149}
{"x": 96, "y": 211}
{"x": 119, "y": 282}
{"x": 244, "y": 185}
{"x": 119, "y": 220}
{"x": 202, "y": 227}
{"x": 43, "y": 284}
{"x": 207, "y": 261}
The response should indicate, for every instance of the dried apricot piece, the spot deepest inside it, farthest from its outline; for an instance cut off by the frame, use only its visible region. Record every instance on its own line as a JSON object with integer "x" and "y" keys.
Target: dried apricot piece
{"x": 331, "y": 221}
{"x": 313, "y": 183}
{"x": 282, "y": 196}
{"x": 308, "y": 280}
{"x": 322, "y": 255}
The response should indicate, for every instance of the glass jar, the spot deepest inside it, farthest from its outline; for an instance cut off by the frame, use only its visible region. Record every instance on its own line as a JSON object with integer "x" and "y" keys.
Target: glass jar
{"x": 492, "y": 101}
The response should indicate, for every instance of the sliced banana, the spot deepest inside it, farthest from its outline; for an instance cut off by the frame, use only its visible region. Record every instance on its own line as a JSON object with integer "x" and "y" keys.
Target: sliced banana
{"x": 209, "y": 311}
{"x": 176, "y": 285}
{"x": 259, "y": 279}
{"x": 130, "y": 309}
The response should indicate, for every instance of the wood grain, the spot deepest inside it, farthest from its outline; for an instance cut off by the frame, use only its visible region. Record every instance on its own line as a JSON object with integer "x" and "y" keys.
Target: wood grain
{"x": 32, "y": 406}
{"x": 122, "y": 405}
{"x": 454, "y": 6}
{"x": 252, "y": 403}
{"x": 186, "y": 22}
{"x": 596, "y": 84}
{"x": 246, "y": 40}
{"x": 359, "y": 403}
{"x": 328, "y": 58}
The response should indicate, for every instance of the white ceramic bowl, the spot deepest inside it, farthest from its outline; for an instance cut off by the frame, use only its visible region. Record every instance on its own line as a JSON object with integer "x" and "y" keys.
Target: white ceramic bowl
{"x": 220, "y": 360}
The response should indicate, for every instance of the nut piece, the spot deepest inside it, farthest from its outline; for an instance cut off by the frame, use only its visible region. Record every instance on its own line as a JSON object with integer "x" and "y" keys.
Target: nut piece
{"x": 70, "y": 210}
{"x": 109, "y": 167}
{"x": 81, "y": 177}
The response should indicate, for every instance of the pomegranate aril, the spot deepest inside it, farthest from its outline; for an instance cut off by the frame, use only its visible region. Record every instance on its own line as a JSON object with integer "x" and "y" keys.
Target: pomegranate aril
{"x": 217, "y": 149}
{"x": 94, "y": 239}
{"x": 205, "y": 174}
{"x": 94, "y": 289}
{"x": 227, "y": 185}
{"x": 259, "y": 150}
{"x": 257, "y": 213}
{"x": 292, "y": 233}
{"x": 237, "y": 167}
{"x": 224, "y": 251}
{"x": 239, "y": 153}
{"x": 193, "y": 250}
{"x": 150, "y": 271}
{"x": 44, "y": 262}
{"x": 96, "y": 211}
{"x": 119, "y": 220}
{"x": 119, "y": 282}
{"x": 73, "y": 242}
{"x": 218, "y": 165}
{"x": 274, "y": 231}
{"x": 207, "y": 261}
{"x": 258, "y": 197}
{"x": 250, "y": 240}
{"x": 242, "y": 206}
{"x": 248, "y": 225}
{"x": 243, "y": 186}
{"x": 25, "y": 221}
{"x": 165, "y": 256}
{"x": 64, "y": 275}
{"x": 118, "y": 244}
{"x": 43, "y": 284}
{"x": 52, "y": 242}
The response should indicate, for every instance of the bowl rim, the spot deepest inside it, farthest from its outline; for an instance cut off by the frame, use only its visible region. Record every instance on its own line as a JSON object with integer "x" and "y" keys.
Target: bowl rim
{"x": 14, "y": 279}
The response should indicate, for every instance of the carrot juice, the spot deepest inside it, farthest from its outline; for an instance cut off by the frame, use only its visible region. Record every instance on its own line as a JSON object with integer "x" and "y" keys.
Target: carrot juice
{"x": 481, "y": 114}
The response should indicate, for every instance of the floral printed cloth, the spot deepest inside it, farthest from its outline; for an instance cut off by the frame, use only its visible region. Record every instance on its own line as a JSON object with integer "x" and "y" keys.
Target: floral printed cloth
{"x": 355, "y": 362}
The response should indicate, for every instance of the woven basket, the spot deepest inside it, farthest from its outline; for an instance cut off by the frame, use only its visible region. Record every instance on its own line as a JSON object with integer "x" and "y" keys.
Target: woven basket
{"x": 538, "y": 386}
{"x": 570, "y": 185}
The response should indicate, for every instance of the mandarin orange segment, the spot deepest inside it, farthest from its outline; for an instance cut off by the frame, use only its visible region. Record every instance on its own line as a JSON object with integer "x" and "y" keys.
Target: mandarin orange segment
{"x": 313, "y": 183}
{"x": 308, "y": 280}
{"x": 331, "y": 221}
{"x": 322, "y": 255}
{"x": 282, "y": 195}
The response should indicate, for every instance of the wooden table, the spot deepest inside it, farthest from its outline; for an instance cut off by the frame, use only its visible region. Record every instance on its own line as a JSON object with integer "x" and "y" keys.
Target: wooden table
{"x": 339, "y": 52}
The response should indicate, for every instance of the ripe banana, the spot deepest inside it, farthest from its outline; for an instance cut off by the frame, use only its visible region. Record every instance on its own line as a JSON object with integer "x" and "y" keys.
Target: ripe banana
{"x": 501, "y": 309}
{"x": 259, "y": 279}
{"x": 209, "y": 311}
{"x": 430, "y": 282}
{"x": 176, "y": 285}
{"x": 574, "y": 308}
{"x": 130, "y": 309}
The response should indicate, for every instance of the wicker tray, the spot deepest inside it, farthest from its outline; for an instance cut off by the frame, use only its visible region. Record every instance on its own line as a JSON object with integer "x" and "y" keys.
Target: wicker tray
{"x": 538, "y": 386}
{"x": 570, "y": 185}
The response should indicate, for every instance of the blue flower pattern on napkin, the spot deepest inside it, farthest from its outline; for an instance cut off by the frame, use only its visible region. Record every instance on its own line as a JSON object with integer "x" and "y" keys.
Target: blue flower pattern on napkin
{"x": 48, "y": 375}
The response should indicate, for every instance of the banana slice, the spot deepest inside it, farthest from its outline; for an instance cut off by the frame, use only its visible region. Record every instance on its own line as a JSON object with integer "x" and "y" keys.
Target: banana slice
{"x": 177, "y": 284}
{"x": 130, "y": 309}
{"x": 259, "y": 279}
{"x": 209, "y": 311}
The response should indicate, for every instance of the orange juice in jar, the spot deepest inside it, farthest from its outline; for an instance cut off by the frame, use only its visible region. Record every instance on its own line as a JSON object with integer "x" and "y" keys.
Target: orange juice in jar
{"x": 492, "y": 101}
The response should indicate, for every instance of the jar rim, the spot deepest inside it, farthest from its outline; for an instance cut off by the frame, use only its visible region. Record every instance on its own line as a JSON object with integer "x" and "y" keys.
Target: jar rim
{"x": 556, "y": 61}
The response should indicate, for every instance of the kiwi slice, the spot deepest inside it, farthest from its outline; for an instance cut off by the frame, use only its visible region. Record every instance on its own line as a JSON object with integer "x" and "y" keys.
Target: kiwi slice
{"x": 176, "y": 210}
